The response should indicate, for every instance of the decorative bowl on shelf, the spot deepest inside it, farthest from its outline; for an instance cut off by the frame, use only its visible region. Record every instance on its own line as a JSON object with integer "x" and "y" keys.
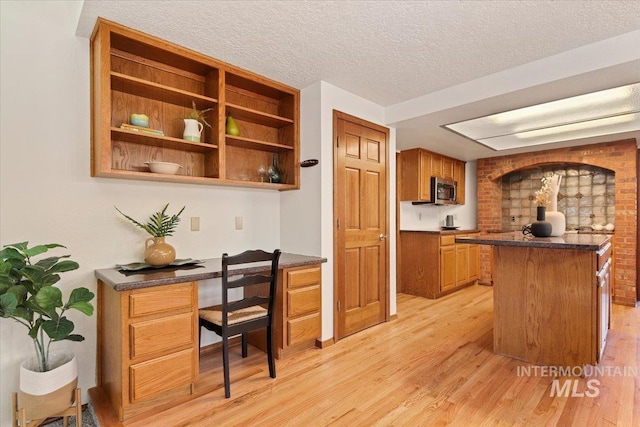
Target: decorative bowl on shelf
{"x": 139, "y": 120}
{"x": 163, "y": 167}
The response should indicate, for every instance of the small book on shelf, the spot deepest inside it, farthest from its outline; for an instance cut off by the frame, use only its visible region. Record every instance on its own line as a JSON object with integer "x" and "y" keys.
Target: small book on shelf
{"x": 140, "y": 129}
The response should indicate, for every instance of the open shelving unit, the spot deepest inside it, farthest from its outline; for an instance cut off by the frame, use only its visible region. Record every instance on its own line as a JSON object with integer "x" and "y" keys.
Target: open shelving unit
{"x": 133, "y": 72}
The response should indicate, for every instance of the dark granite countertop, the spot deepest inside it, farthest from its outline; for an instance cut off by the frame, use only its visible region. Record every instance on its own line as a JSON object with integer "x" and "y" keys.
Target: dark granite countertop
{"x": 443, "y": 231}
{"x": 209, "y": 269}
{"x": 579, "y": 241}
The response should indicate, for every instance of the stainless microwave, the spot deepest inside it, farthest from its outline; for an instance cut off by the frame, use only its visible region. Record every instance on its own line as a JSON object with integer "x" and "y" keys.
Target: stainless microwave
{"x": 443, "y": 191}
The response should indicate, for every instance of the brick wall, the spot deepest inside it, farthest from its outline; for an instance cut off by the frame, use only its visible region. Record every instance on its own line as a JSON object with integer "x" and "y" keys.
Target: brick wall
{"x": 618, "y": 156}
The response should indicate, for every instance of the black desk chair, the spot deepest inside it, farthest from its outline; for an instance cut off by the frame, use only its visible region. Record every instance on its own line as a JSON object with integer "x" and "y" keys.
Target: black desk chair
{"x": 240, "y": 317}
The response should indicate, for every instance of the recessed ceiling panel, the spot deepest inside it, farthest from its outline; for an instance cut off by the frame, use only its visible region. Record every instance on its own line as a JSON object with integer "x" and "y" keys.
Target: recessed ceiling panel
{"x": 599, "y": 113}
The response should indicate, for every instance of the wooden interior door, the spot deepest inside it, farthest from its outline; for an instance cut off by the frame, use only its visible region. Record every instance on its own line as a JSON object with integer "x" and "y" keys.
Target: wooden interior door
{"x": 361, "y": 203}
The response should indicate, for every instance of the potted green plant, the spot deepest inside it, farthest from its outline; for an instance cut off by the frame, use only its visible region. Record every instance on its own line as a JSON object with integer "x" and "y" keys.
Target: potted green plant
{"x": 159, "y": 225}
{"x": 29, "y": 297}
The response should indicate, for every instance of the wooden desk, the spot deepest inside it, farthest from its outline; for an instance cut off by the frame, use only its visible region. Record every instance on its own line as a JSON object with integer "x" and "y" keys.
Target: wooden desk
{"x": 147, "y": 338}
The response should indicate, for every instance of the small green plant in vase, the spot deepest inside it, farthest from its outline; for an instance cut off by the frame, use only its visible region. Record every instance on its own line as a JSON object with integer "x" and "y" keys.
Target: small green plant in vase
{"x": 158, "y": 253}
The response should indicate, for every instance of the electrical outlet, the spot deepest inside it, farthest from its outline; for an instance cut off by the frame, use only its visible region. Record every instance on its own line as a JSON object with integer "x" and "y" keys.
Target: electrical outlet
{"x": 513, "y": 219}
{"x": 239, "y": 223}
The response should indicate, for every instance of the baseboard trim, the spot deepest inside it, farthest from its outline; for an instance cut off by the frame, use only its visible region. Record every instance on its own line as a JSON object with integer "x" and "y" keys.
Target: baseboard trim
{"x": 325, "y": 343}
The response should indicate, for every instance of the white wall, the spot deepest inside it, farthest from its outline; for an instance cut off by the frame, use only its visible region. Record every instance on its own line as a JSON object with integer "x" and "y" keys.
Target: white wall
{"x": 307, "y": 227}
{"x": 432, "y": 217}
{"x": 47, "y": 194}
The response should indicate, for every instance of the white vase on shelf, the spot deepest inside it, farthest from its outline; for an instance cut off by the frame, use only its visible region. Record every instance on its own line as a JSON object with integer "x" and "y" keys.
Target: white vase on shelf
{"x": 557, "y": 219}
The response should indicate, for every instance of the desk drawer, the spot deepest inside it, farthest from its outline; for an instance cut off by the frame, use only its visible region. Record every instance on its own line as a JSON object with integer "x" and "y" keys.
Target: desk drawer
{"x": 158, "y": 375}
{"x": 303, "y": 301}
{"x": 172, "y": 297}
{"x": 161, "y": 334}
{"x": 303, "y": 329}
{"x": 303, "y": 277}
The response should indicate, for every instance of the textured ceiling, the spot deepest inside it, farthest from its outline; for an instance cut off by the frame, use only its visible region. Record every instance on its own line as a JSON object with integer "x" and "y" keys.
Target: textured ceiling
{"x": 385, "y": 51}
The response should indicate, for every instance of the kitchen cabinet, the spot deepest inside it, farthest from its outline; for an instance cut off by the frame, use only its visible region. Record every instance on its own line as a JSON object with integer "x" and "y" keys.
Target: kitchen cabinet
{"x": 459, "y": 177}
{"x": 433, "y": 264}
{"x": 132, "y": 72}
{"x": 551, "y": 299}
{"x": 415, "y": 175}
{"x": 419, "y": 165}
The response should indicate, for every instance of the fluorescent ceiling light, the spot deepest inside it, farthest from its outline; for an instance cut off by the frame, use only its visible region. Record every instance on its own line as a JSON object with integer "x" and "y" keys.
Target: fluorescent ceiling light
{"x": 594, "y": 114}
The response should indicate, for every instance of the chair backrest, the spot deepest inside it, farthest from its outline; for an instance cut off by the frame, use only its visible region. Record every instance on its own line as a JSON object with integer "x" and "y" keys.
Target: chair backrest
{"x": 257, "y": 281}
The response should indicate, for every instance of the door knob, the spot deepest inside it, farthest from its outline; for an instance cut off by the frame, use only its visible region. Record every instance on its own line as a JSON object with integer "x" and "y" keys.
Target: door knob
{"x": 383, "y": 236}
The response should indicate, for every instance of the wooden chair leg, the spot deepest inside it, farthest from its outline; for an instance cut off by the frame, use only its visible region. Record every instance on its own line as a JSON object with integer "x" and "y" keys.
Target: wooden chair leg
{"x": 225, "y": 363}
{"x": 244, "y": 345}
{"x": 272, "y": 365}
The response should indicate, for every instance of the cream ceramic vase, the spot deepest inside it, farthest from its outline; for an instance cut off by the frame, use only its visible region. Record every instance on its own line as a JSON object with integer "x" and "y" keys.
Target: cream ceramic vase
{"x": 158, "y": 253}
{"x": 557, "y": 219}
{"x": 192, "y": 130}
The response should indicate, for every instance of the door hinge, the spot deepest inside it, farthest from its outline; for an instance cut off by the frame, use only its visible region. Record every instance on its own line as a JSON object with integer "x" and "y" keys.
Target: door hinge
{"x": 338, "y": 141}
{"x": 338, "y": 305}
{"x": 338, "y": 223}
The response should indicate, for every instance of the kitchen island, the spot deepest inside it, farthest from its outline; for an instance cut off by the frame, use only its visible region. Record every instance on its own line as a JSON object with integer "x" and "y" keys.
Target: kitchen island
{"x": 551, "y": 296}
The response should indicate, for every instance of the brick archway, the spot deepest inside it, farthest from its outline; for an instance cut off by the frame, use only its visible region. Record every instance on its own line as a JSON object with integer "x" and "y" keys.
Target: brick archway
{"x": 618, "y": 156}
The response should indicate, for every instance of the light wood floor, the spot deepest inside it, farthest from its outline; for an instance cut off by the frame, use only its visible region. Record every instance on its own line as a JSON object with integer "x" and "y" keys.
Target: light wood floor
{"x": 432, "y": 366}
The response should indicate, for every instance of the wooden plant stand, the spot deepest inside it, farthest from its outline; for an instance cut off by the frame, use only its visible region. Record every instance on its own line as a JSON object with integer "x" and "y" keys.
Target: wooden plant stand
{"x": 20, "y": 414}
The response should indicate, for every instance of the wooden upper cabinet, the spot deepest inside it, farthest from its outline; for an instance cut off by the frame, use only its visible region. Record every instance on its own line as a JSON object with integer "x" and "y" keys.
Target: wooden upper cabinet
{"x": 447, "y": 168}
{"x": 415, "y": 174}
{"x": 459, "y": 177}
{"x": 132, "y": 72}
{"x": 419, "y": 165}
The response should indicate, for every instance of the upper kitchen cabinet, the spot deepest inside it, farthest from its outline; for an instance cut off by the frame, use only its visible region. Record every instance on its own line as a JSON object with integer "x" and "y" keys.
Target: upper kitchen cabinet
{"x": 135, "y": 73}
{"x": 418, "y": 166}
{"x": 415, "y": 175}
{"x": 459, "y": 177}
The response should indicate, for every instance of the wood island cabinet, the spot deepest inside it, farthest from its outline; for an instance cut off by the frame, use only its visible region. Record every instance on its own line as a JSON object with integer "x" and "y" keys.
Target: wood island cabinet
{"x": 419, "y": 165}
{"x": 132, "y": 72}
{"x": 433, "y": 264}
{"x": 552, "y": 303}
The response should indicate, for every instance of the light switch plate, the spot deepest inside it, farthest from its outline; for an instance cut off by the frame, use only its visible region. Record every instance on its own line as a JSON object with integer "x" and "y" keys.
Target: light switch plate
{"x": 239, "y": 223}
{"x": 195, "y": 223}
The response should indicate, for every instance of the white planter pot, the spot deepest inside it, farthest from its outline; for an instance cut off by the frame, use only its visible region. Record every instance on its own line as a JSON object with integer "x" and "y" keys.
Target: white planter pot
{"x": 45, "y": 394}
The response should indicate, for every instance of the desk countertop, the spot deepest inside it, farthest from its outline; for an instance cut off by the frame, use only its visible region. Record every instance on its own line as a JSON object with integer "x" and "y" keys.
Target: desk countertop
{"x": 208, "y": 269}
